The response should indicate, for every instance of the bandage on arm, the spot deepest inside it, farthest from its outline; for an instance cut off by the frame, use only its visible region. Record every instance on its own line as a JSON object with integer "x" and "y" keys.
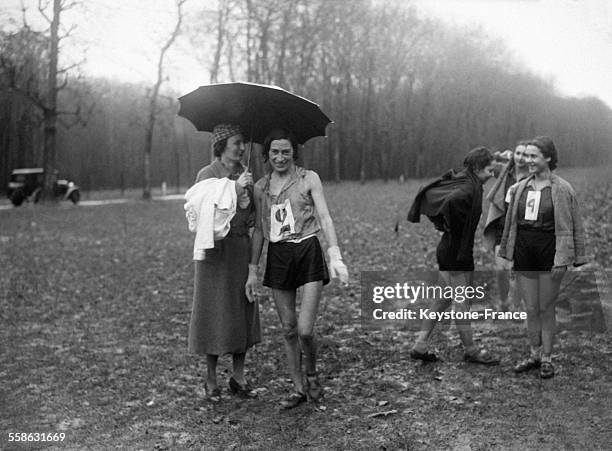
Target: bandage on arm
{"x": 337, "y": 268}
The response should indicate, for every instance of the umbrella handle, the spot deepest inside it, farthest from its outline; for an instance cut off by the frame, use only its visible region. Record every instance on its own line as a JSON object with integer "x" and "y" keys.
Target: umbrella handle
{"x": 252, "y": 111}
{"x": 249, "y": 155}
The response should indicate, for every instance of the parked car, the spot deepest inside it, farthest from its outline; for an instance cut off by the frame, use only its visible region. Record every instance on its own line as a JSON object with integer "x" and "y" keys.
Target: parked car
{"x": 26, "y": 184}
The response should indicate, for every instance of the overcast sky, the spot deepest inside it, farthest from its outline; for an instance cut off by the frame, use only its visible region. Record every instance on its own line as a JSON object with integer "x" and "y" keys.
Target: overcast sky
{"x": 567, "y": 41}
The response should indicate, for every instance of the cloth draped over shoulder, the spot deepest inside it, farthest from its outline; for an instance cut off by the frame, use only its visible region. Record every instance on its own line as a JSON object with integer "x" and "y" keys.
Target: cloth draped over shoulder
{"x": 569, "y": 230}
{"x": 453, "y": 203}
{"x": 497, "y": 205}
{"x": 210, "y": 206}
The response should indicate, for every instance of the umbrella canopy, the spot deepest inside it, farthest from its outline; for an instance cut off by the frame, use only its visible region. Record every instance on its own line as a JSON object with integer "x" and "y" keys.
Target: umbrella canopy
{"x": 256, "y": 108}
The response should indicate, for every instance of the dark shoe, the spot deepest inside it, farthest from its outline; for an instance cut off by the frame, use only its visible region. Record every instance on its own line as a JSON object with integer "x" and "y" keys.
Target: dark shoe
{"x": 424, "y": 356}
{"x": 482, "y": 357}
{"x": 243, "y": 391}
{"x": 212, "y": 395}
{"x": 313, "y": 388}
{"x": 547, "y": 370}
{"x": 528, "y": 364}
{"x": 294, "y": 400}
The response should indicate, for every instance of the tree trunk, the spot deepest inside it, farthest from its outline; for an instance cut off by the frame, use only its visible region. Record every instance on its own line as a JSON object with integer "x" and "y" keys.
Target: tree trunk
{"x": 280, "y": 67}
{"x": 367, "y": 124}
{"x": 50, "y": 109}
{"x": 146, "y": 194}
{"x": 214, "y": 71}
{"x": 249, "y": 58}
{"x": 177, "y": 159}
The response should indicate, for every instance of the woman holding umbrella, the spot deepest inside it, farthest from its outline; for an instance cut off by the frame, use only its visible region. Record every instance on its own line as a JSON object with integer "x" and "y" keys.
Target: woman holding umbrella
{"x": 223, "y": 321}
{"x": 288, "y": 201}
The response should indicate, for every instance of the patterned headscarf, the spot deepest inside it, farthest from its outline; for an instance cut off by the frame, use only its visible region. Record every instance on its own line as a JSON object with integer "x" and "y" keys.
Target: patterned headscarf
{"x": 224, "y": 131}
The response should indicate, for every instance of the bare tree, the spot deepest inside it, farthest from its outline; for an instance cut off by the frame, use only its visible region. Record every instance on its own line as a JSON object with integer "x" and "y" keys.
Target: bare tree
{"x": 22, "y": 65}
{"x": 50, "y": 109}
{"x": 223, "y": 15}
{"x": 45, "y": 95}
{"x": 153, "y": 99}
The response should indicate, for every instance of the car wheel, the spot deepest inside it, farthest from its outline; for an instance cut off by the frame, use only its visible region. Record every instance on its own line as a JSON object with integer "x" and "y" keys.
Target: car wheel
{"x": 75, "y": 196}
{"x": 17, "y": 198}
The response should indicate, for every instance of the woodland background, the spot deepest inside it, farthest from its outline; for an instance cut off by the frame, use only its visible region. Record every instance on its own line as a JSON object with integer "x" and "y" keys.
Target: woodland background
{"x": 408, "y": 95}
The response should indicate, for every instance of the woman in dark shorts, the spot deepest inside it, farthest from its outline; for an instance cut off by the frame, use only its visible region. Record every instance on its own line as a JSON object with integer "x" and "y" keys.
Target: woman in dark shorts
{"x": 453, "y": 202}
{"x": 542, "y": 236}
{"x": 286, "y": 201}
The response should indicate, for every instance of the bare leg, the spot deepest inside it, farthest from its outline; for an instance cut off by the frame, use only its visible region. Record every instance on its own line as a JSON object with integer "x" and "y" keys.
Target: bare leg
{"x": 514, "y": 295}
{"x": 238, "y": 367}
{"x": 311, "y": 295}
{"x": 464, "y": 327}
{"x": 548, "y": 293}
{"x": 211, "y": 371}
{"x": 502, "y": 275}
{"x": 427, "y": 325}
{"x": 530, "y": 292}
{"x": 503, "y": 283}
{"x": 285, "y": 307}
{"x": 439, "y": 305}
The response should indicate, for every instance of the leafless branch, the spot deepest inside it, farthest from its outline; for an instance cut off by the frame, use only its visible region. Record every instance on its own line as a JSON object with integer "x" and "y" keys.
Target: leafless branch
{"x": 68, "y": 5}
{"x": 77, "y": 116}
{"x": 68, "y": 32}
{"x": 174, "y": 34}
{"x": 29, "y": 96}
{"x": 23, "y": 15}
{"x": 72, "y": 66}
{"x": 171, "y": 39}
{"x": 63, "y": 85}
{"x": 41, "y": 8}
{"x": 75, "y": 112}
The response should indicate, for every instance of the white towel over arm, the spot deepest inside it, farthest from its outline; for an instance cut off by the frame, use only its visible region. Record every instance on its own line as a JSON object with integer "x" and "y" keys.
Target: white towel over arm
{"x": 210, "y": 206}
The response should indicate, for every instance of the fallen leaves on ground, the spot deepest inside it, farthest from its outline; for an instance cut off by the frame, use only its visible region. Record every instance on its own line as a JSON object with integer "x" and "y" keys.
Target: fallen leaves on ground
{"x": 95, "y": 304}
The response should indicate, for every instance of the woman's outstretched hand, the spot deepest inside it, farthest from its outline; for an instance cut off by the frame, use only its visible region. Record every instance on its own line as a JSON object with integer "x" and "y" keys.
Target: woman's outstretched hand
{"x": 251, "y": 283}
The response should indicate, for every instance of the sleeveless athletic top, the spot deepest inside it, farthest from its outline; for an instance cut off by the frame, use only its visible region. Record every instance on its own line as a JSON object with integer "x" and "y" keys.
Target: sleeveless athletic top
{"x": 290, "y": 215}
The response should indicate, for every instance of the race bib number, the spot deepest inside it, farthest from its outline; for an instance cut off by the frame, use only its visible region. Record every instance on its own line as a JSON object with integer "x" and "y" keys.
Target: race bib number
{"x": 282, "y": 222}
{"x": 532, "y": 205}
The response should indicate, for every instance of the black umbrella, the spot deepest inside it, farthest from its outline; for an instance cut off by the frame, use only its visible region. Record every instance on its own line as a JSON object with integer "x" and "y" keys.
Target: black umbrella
{"x": 256, "y": 108}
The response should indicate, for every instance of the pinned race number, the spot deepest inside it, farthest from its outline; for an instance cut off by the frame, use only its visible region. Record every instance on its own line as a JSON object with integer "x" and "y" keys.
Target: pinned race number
{"x": 282, "y": 222}
{"x": 532, "y": 205}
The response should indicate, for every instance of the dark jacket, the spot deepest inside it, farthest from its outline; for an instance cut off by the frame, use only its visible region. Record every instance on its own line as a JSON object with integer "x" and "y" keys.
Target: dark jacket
{"x": 453, "y": 203}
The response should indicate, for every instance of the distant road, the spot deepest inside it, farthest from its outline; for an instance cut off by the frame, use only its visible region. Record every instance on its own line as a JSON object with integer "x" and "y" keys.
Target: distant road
{"x": 93, "y": 203}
